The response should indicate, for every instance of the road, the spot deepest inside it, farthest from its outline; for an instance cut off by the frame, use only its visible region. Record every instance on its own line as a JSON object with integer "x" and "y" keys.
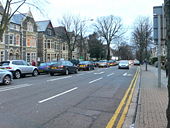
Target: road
{"x": 84, "y": 100}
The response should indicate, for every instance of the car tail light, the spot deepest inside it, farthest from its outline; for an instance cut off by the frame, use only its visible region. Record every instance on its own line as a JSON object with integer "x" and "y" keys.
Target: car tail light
{"x": 8, "y": 67}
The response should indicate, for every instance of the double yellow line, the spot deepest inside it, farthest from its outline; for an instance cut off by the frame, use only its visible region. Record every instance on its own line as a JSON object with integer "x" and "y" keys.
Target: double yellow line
{"x": 124, "y": 102}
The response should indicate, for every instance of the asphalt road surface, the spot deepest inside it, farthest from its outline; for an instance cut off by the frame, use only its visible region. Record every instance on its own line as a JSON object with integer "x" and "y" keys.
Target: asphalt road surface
{"x": 84, "y": 100}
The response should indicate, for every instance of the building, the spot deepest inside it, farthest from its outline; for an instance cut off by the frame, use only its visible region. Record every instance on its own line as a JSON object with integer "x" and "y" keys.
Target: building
{"x": 47, "y": 42}
{"x": 159, "y": 11}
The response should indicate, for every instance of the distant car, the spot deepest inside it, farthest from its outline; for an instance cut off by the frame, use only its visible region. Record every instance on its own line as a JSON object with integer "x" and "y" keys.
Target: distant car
{"x": 19, "y": 68}
{"x": 112, "y": 62}
{"x": 103, "y": 63}
{"x": 44, "y": 67}
{"x": 86, "y": 65}
{"x": 123, "y": 64}
{"x": 136, "y": 62}
{"x": 64, "y": 67}
{"x": 6, "y": 77}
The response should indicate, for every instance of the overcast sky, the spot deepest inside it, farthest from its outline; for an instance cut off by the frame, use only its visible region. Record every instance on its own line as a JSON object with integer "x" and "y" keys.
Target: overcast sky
{"x": 128, "y": 10}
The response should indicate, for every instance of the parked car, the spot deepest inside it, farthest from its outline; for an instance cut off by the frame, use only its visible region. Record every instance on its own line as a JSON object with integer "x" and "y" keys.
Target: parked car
{"x": 112, "y": 62}
{"x": 86, "y": 65}
{"x": 103, "y": 63}
{"x": 64, "y": 67}
{"x": 6, "y": 77}
{"x": 124, "y": 64}
{"x": 44, "y": 67}
{"x": 136, "y": 62}
{"x": 19, "y": 68}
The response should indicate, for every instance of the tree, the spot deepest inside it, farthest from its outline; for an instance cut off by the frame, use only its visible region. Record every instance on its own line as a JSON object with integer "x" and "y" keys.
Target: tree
{"x": 96, "y": 47}
{"x": 142, "y": 36}
{"x": 109, "y": 28}
{"x": 72, "y": 29}
{"x": 10, "y": 8}
{"x": 167, "y": 17}
{"x": 125, "y": 51}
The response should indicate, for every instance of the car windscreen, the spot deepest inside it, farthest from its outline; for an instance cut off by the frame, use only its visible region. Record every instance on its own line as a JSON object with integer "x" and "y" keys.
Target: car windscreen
{"x": 4, "y": 63}
{"x": 123, "y": 62}
{"x": 84, "y": 62}
{"x": 59, "y": 63}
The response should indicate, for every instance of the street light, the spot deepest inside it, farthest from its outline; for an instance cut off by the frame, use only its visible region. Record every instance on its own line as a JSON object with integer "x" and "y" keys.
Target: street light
{"x": 159, "y": 49}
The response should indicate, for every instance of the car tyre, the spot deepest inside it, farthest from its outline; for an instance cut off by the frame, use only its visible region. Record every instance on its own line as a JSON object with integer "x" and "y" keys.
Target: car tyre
{"x": 17, "y": 74}
{"x": 35, "y": 72}
{"x": 76, "y": 70}
{"x": 66, "y": 72}
{"x": 51, "y": 74}
{"x": 7, "y": 80}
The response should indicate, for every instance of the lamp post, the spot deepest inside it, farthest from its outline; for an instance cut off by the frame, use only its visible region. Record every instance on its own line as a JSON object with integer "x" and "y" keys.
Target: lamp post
{"x": 159, "y": 51}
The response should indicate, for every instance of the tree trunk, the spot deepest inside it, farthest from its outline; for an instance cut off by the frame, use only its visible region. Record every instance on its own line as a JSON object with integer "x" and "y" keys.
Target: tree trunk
{"x": 108, "y": 52}
{"x": 146, "y": 59}
{"x": 167, "y": 16}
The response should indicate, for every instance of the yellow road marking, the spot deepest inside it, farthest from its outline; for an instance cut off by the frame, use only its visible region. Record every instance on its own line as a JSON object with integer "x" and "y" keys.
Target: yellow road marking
{"x": 125, "y": 111}
{"x": 113, "y": 119}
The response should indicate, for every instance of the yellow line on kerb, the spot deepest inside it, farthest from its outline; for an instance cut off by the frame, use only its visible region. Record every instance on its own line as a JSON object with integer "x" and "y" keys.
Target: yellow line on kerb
{"x": 125, "y": 111}
{"x": 114, "y": 117}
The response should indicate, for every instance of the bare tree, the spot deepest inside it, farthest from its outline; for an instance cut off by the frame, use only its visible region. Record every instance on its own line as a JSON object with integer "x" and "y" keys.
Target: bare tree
{"x": 109, "y": 28}
{"x": 73, "y": 28}
{"x": 142, "y": 36}
{"x": 13, "y": 6}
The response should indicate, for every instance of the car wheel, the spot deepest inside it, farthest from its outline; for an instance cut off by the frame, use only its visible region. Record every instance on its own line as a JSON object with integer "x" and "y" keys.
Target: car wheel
{"x": 76, "y": 70}
{"x": 35, "y": 72}
{"x": 51, "y": 74}
{"x": 7, "y": 80}
{"x": 66, "y": 73}
{"x": 17, "y": 74}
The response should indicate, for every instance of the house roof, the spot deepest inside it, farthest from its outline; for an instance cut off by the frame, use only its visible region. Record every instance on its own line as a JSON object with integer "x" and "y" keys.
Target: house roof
{"x": 18, "y": 18}
{"x": 42, "y": 25}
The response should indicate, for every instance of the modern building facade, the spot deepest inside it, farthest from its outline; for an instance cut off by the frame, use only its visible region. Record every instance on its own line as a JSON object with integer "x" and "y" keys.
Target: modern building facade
{"x": 158, "y": 11}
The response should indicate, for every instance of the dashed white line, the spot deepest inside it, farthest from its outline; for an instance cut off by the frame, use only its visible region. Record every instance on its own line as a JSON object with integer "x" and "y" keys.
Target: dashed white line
{"x": 99, "y": 73}
{"x": 14, "y": 87}
{"x": 59, "y": 78}
{"x": 95, "y": 80}
{"x": 60, "y": 94}
{"x": 125, "y": 74}
{"x": 110, "y": 74}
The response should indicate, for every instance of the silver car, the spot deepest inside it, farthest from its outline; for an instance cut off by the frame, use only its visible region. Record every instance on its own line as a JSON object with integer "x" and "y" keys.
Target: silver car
{"x": 5, "y": 77}
{"x": 19, "y": 68}
{"x": 123, "y": 64}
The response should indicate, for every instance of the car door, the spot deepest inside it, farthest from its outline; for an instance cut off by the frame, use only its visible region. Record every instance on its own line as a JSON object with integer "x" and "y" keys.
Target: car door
{"x": 28, "y": 67}
{"x": 20, "y": 66}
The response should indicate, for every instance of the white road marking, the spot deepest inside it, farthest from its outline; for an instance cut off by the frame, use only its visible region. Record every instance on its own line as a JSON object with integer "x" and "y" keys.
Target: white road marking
{"x": 99, "y": 73}
{"x": 59, "y": 78}
{"x": 60, "y": 94}
{"x": 95, "y": 80}
{"x": 14, "y": 87}
{"x": 129, "y": 74}
{"x": 125, "y": 74}
{"x": 80, "y": 74}
{"x": 110, "y": 74}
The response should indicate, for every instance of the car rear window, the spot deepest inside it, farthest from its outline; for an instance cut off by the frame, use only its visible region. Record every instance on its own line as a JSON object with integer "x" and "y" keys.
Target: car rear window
{"x": 4, "y": 63}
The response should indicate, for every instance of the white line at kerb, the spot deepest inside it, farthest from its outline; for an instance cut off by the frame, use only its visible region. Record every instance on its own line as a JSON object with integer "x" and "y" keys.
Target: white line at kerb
{"x": 95, "y": 80}
{"x": 14, "y": 87}
{"x": 59, "y": 78}
{"x": 60, "y": 94}
{"x": 110, "y": 74}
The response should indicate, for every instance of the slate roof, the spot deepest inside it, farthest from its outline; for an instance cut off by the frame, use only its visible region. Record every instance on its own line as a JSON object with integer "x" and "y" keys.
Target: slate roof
{"x": 42, "y": 25}
{"x": 18, "y": 18}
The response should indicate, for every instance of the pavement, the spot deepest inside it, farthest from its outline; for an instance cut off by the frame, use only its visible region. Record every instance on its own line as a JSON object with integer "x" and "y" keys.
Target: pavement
{"x": 149, "y": 102}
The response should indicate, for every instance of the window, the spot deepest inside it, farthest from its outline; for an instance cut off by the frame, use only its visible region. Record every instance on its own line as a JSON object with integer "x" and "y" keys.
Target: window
{"x": 2, "y": 55}
{"x": 33, "y": 56}
{"x": 64, "y": 48}
{"x": 17, "y": 39}
{"x": 49, "y": 44}
{"x": 49, "y": 32}
{"x": 11, "y": 38}
{"x": 29, "y": 27}
{"x": 28, "y": 57}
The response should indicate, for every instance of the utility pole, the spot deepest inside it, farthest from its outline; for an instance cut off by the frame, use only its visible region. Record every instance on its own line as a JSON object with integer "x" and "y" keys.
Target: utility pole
{"x": 159, "y": 51}
{"x": 167, "y": 17}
